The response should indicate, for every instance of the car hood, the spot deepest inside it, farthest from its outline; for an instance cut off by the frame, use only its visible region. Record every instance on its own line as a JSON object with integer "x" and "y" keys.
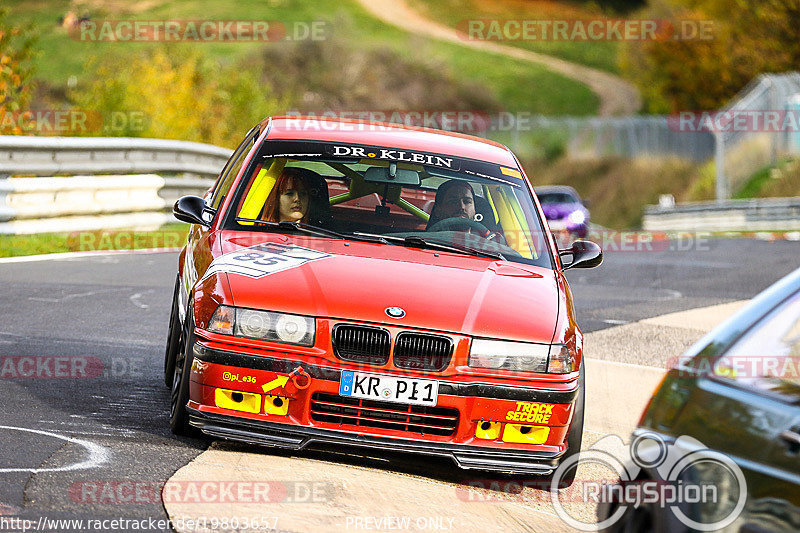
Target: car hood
{"x": 359, "y": 281}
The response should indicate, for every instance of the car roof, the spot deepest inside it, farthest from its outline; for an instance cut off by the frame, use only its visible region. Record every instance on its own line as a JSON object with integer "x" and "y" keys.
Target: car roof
{"x": 384, "y": 134}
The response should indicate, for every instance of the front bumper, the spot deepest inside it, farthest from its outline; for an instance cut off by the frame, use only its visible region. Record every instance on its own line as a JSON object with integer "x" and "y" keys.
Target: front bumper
{"x": 299, "y": 437}
{"x": 297, "y": 428}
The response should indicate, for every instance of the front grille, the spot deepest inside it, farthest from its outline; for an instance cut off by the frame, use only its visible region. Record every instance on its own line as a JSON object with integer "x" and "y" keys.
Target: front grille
{"x": 361, "y": 344}
{"x": 346, "y": 411}
{"x": 416, "y": 351}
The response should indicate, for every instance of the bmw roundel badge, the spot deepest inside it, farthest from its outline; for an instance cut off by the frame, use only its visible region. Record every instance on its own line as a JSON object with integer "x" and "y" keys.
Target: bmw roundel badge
{"x": 395, "y": 312}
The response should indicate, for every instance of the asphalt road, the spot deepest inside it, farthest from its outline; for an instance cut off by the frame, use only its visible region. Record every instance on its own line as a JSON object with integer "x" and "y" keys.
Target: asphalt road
{"x": 82, "y": 342}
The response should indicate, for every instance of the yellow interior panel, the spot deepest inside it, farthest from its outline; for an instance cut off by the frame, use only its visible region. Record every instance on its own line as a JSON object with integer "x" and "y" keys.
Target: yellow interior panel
{"x": 510, "y": 222}
{"x": 262, "y": 185}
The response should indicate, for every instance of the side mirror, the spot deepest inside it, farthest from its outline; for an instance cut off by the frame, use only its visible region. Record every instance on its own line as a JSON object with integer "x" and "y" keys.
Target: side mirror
{"x": 190, "y": 209}
{"x": 585, "y": 254}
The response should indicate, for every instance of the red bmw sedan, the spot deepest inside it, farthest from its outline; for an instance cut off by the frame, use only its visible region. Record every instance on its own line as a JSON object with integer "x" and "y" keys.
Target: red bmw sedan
{"x": 359, "y": 284}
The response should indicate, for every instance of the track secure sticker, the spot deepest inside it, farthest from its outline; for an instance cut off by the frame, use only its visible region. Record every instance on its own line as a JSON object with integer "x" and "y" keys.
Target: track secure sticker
{"x": 537, "y": 413}
{"x": 263, "y": 259}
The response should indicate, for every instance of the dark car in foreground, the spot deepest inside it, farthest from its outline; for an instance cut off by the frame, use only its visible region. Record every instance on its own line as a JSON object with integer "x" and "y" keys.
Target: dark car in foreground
{"x": 564, "y": 210}
{"x": 737, "y": 391}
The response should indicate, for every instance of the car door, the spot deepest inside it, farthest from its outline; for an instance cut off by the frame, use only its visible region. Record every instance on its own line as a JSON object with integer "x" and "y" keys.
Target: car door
{"x": 762, "y": 371}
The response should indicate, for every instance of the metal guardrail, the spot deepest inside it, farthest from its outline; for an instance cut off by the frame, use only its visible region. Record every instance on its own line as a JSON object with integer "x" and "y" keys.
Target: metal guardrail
{"x": 760, "y": 214}
{"x": 50, "y": 156}
{"x": 79, "y": 203}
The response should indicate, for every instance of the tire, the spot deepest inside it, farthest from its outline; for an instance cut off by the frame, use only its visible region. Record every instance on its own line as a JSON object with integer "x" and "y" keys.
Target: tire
{"x": 646, "y": 518}
{"x": 575, "y": 435}
{"x": 173, "y": 337}
{"x": 179, "y": 392}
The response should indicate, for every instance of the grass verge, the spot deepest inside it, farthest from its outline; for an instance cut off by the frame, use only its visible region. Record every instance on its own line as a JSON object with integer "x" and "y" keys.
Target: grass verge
{"x": 167, "y": 236}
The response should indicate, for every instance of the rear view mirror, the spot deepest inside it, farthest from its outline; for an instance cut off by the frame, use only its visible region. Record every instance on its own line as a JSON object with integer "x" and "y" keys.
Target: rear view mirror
{"x": 190, "y": 209}
{"x": 583, "y": 254}
{"x": 391, "y": 174}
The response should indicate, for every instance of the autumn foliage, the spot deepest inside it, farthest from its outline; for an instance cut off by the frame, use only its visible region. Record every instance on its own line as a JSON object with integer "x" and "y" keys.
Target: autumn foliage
{"x": 181, "y": 93}
{"x": 748, "y": 38}
{"x": 16, "y": 70}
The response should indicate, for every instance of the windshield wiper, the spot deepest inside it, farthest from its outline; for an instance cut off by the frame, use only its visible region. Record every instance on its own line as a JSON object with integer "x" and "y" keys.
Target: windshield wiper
{"x": 310, "y": 229}
{"x": 450, "y": 247}
{"x": 305, "y": 228}
{"x": 419, "y": 242}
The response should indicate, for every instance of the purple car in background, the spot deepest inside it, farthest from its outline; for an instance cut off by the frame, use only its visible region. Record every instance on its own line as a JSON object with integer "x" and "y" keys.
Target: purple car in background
{"x": 564, "y": 210}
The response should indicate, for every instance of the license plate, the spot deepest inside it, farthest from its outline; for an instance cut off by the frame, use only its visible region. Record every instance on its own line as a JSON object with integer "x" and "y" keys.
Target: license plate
{"x": 389, "y": 388}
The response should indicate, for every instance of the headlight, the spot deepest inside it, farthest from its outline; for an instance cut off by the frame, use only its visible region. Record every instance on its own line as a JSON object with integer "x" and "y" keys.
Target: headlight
{"x": 561, "y": 360}
{"x": 264, "y": 325}
{"x": 521, "y": 356}
{"x": 255, "y": 324}
{"x": 577, "y": 217}
{"x": 291, "y": 328}
{"x": 508, "y": 355}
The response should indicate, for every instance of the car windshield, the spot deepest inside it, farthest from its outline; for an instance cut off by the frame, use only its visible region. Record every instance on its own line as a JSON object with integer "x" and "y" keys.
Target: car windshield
{"x": 768, "y": 356}
{"x": 393, "y": 196}
{"x": 556, "y": 198}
